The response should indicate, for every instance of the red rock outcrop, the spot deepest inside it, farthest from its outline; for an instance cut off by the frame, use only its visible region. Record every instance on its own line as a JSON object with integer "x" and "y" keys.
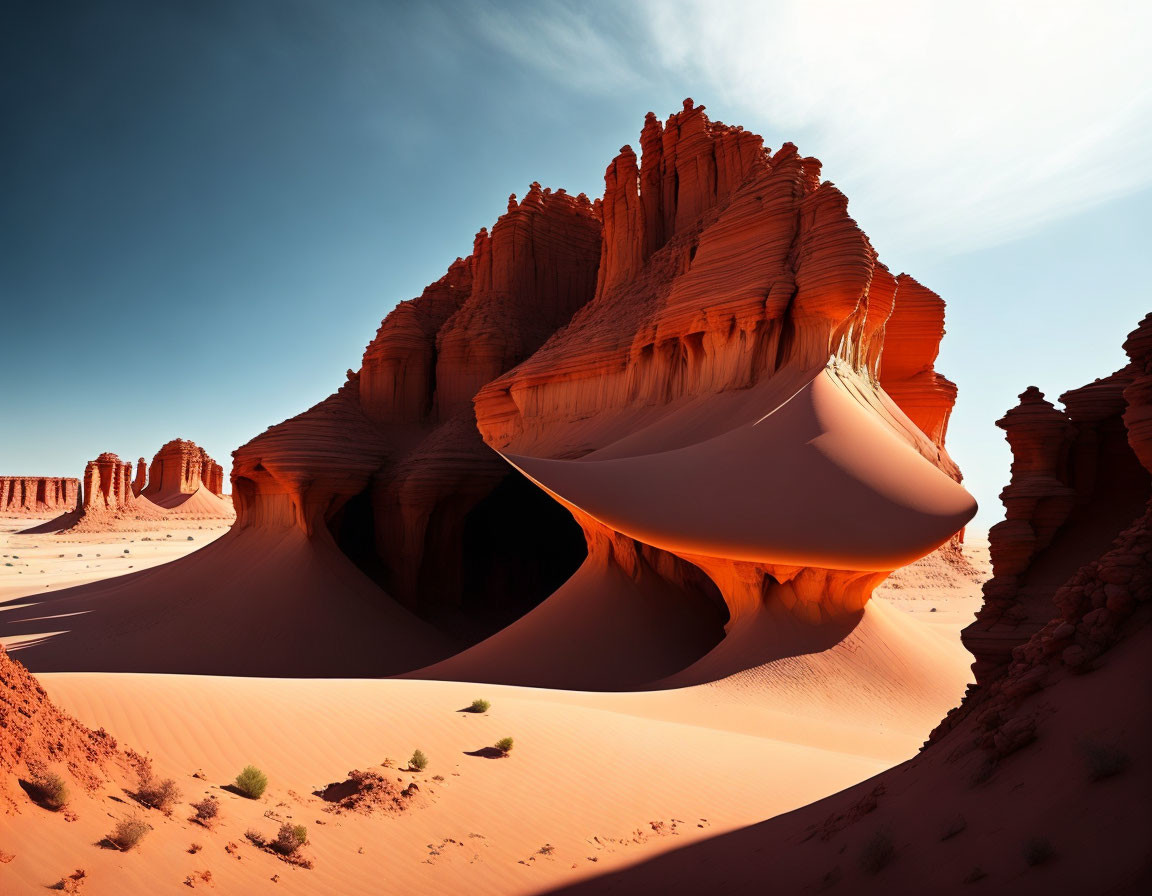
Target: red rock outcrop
{"x": 697, "y": 398}
{"x": 37, "y": 495}
{"x": 107, "y": 484}
{"x": 179, "y": 468}
{"x": 186, "y": 484}
{"x": 1055, "y": 734}
{"x": 1076, "y": 482}
{"x": 37, "y": 737}
{"x": 732, "y": 283}
{"x": 399, "y": 436}
{"x": 141, "y": 477}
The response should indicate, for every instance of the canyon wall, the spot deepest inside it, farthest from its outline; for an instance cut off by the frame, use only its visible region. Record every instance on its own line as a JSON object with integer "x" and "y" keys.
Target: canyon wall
{"x": 38, "y": 495}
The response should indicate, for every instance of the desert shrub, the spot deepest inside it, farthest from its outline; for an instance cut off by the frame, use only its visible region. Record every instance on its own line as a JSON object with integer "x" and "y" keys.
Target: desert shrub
{"x": 877, "y": 852}
{"x": 252, "y": 782}
{"x": 956, "y": 826}
{"x": 51, "y": 791}
{"x": 290, "y": 838}
{"x": 480, "y": 706}
{"x": 1038, "y": 850}
{"x": 418, "y": 761}
{"x": 157, "y": 794}
{"x": 1104, "y": 760}
{"x": 546, "y": 850}
{"x": 128, "y": 832}
{"x": 207, "y": 811}
{"x": 504, "y": 745}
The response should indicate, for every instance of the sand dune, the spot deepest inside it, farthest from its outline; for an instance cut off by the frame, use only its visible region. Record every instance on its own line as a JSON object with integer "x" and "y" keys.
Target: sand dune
{"x": 589, "y": 780}
{"x": 282, "y": 610}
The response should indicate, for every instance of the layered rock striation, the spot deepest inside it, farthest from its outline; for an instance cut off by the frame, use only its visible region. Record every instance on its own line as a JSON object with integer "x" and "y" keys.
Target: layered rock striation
{"x": 180, "y": 468}
{"x": 38, "y": 495}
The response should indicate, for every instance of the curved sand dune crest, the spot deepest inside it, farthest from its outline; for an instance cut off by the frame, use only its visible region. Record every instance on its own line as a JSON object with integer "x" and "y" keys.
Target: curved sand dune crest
{"x": 819, "y": 481}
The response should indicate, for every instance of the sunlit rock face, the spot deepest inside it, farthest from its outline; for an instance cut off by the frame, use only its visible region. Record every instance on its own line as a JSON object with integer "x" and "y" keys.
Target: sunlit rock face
{"x": 38, "y": 495}
{"x": 750, "y": 390}
{"x": 708, "y": 370}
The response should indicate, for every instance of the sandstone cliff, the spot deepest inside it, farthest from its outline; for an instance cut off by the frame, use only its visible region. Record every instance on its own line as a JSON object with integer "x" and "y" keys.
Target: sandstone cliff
{"x": 37, "y": 495}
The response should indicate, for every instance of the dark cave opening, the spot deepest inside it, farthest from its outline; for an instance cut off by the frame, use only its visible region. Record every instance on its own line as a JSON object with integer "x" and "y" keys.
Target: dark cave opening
{"x": 353, "y": 527}
{"x": 518, "y": 546}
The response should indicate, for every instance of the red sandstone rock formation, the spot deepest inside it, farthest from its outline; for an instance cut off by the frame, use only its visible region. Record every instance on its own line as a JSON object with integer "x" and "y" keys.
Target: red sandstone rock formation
{"x": 1075, "y": 483}
{"x": 37, "y": 495}
{"x": 107, "y": 485}
{"x": 401, "y": 432}
{"x": 141, "y": 477}
{"x": 709, "y": 269}
{"x": 180, "y": 468}
{"x": 723, "y": 402}
{"x": 1053, "y": 733}
{"x": 729, "y": 279}
{"x": 185, "y": 484}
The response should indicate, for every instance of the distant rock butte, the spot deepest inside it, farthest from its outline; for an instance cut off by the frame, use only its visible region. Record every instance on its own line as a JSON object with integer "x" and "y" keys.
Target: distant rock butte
{"x": 709, "y": 369}
{"x": 185, "y": 483}
{"x": 179, "y": 468}
{"x": 37, "y": 495}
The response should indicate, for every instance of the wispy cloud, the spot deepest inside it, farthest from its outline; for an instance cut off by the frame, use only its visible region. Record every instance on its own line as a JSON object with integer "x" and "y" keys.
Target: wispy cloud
{"x": 951, "y": 126}
{"x": 573, "y": 44}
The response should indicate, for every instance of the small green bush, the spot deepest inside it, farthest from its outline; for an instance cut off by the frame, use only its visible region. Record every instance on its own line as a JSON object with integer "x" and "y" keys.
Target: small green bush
{"x": 252, "y": 782}
{"x": 877, "y": 852}
{"x": 418, "y": 761}
{"x": 480, "y": 706}
{"x": 290, "y": 838}
{"x": 128, "y": 832}
{"x": 51, "y": 791}
{"x": 504, "y": 745}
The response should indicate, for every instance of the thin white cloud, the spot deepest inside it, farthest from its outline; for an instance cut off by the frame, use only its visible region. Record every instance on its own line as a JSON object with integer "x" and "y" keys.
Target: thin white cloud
{"x": 565, "y": 42}
{"x": 950, "y": 125}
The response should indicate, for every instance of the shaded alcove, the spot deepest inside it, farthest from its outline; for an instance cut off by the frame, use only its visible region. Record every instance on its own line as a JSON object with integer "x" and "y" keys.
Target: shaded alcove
{"x": 482, "y": 564}
{"x": 353, "y": 527}
{"x": 518, "y": 545}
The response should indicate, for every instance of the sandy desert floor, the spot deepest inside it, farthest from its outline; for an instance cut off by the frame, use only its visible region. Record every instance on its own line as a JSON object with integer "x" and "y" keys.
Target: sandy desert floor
{"x": 595, "y": 782}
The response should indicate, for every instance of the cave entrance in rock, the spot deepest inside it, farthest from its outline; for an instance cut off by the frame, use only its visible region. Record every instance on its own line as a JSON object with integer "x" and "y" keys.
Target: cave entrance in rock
{"x": 353, "y": 527}
{"x": 518, "y": 546}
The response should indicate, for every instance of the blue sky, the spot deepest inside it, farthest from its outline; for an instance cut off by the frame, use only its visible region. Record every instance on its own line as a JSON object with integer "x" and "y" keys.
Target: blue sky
{"x": 208, "y": 207}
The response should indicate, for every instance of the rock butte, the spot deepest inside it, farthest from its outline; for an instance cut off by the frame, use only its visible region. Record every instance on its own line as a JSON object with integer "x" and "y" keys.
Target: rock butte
{"x": 37, "y": 495}
{"x": 184, "y": 482}
{"x": 724, "y": 408}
